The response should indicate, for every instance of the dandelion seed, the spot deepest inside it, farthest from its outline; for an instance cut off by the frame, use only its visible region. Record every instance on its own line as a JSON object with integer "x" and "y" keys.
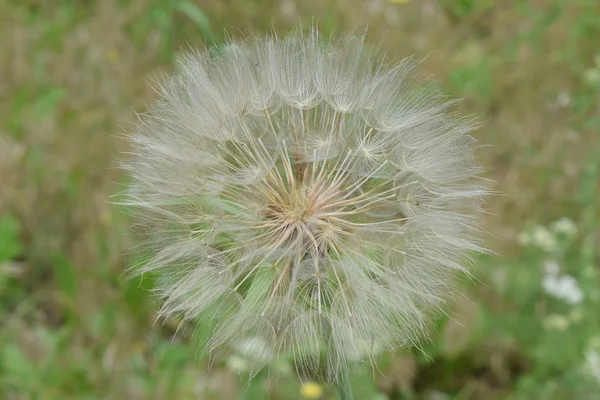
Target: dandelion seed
{"x": 305, "y": 198}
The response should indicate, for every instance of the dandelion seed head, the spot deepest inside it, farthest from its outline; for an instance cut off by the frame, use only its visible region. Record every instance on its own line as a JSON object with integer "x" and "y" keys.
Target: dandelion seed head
{"x": 305, "y": 197}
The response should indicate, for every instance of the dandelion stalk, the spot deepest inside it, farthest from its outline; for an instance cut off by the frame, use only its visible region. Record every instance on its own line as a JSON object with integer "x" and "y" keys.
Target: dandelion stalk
{"x": 302, "y": 198}
{"x": 343, "y": 385}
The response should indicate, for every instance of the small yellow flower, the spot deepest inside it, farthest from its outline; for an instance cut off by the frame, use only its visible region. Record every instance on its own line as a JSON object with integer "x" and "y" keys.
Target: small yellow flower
{"x": 311, "y": 390}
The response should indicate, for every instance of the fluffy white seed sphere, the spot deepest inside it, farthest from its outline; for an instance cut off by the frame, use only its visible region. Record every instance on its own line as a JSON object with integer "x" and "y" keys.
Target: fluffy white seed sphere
{"x": 303, "y": 197}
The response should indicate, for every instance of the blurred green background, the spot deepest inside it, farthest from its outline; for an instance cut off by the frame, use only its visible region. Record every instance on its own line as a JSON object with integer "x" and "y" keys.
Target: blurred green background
{"x": 73, "y": 72}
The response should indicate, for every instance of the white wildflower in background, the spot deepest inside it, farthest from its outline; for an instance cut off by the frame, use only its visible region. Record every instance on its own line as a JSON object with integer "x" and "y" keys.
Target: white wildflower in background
{"x": 551, "y": 267}
{"x": 303, "y": 197}
{"x": 592, "y": 363}
{"x": 564, "y": 226}
{"x": 543, "y": 238}
{"x": 563, "y": 287}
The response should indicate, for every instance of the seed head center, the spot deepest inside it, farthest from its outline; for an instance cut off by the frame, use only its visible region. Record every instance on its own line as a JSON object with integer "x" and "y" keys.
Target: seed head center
{"x": 300, "y": 215}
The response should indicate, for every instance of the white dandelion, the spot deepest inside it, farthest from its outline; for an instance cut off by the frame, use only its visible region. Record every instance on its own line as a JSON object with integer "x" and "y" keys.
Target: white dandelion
{"x": 303, "y": 198}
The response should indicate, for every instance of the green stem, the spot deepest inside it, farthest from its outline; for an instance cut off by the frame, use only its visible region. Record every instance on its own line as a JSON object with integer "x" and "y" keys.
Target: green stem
{"x": 343, "y": 385}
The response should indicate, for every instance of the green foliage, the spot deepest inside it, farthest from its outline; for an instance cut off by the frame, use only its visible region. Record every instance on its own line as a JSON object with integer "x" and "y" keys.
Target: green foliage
{"x": 460, "y": 9}
{"x": 475, "y": 79}
{"x": 163, "y": 16}
{"x": 72, "y": 326}
{"x": 10, "y": 242}
{"x": 193, "y": 12}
